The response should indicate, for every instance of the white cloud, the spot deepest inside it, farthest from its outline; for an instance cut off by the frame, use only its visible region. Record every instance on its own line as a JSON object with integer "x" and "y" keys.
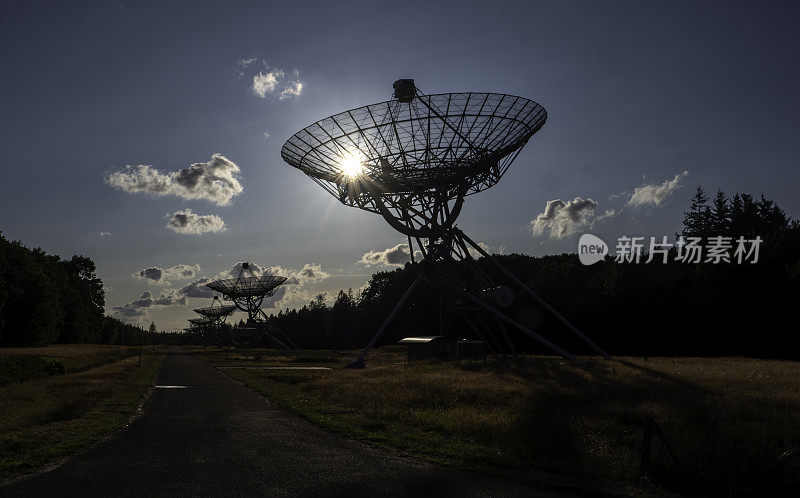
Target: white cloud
{"x": 216, "y": 180}
{"x": 156, "y": 275}
{"x": 486, "y": 247}
{"x": 608, "y": 214}
{"x": 311, "y": 272}
{"x": 293, "y": 88}
{"x": 393, "y": 256}
{"x": 187, "y": 222}
{"x": 564, "y": 218}
{"x": 265, "y": 83}
{"x": 656, "y": 194}
{"x": 270, "y": 80}
{"x": 245, "y": 63}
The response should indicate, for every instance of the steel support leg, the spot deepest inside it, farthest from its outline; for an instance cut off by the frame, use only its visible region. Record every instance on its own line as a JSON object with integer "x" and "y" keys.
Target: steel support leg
{"x": 535, "y": 296}
{"x": 502, "y": 316}
{"x": 359, "y": 361}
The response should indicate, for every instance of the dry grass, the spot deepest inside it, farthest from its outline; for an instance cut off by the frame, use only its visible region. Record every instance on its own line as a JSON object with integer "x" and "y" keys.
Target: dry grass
{"x": 23, "y": 364}
{"x": 733, "y": 422}
{"x": 46, "y": 419}
{"x": 65, "y": 350}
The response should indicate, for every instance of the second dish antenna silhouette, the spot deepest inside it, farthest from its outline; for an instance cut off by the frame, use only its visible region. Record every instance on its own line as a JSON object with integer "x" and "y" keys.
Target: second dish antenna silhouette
{"x": 248, "y": 291}
{"x": 212, "y": 323}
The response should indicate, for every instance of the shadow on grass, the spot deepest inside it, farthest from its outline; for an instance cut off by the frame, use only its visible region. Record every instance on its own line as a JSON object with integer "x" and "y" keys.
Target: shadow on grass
{"x": 589, "y": 417}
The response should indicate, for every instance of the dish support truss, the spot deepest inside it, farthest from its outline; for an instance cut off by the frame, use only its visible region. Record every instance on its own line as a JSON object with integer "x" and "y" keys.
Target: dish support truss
{"x": 210, "y": 326}
{"x": 251, "y": 304}
{"x": 448, "y": 266}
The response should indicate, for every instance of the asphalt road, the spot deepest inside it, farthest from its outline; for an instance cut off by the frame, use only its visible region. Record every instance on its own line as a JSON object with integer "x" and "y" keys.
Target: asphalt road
{"x": 216, "y": 437}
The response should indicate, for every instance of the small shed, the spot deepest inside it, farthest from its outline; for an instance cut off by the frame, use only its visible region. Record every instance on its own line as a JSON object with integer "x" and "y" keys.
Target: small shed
{"x": 444, "y": 348}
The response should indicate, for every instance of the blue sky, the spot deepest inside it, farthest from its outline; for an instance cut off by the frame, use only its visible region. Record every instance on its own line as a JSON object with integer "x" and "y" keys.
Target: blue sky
{"x": 637, "y": 94}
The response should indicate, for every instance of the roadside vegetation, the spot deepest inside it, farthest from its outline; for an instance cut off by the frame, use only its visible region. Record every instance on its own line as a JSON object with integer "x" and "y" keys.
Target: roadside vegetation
{"x": 58, "y": 400}
{"x": 732, "y": 422}
{"x": 22, "y": 364}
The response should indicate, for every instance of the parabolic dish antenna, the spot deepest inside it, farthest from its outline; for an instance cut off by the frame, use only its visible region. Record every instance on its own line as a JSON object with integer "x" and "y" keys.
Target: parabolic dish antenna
{"x": 236, "y": 288}
{"x": 413, "y": 160}
{"x": 216, "y": 311}
{"x": 210, "y": 322}
{"x": 248, "y": 291}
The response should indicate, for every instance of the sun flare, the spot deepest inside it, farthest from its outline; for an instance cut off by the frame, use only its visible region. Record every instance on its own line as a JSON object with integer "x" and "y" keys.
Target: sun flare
{"x": 351, "y": 166}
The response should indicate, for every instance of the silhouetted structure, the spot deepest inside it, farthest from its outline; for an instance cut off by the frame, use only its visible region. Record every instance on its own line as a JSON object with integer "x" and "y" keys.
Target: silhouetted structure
{"x": 413, "y": 160}
{"x": 248, "y": 294}
{"x": 211, "y": 325}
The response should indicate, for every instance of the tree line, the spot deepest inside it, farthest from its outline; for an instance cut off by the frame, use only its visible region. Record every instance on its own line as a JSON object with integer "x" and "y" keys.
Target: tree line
{"x": 48, "y": 300}
{"x": 738, "y": 216}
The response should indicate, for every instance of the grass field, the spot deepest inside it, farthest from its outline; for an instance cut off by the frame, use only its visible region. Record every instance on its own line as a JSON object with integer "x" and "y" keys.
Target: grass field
{"x": 733, "y": 423}
{"x": 47, "y": 412}
{"x": 22, "y": 364}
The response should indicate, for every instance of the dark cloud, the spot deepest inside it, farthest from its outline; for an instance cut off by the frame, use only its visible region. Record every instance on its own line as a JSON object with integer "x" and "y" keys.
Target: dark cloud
{"x": 161, "y": 276}
{"x": 198, "y": 289}
{"x": 141, "y": 307}
{"x": 153, "y": 273}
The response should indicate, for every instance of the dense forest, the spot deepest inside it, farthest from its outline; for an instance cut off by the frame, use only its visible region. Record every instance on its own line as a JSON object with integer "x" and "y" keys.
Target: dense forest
{"x": 627, "y": 308}
{"x": 48, "y": 300}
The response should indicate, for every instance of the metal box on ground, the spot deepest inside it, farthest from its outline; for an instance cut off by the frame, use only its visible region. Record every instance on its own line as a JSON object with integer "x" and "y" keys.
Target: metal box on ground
{"x": 444, "y": 348}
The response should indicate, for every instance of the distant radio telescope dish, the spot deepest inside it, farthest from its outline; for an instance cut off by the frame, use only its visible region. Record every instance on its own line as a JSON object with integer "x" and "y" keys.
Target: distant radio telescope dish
{"x": 248, "y": 291}
{"x": 214, "y": 312}
{"x": 210, "y": 323}
{"x": 413, "y": 160}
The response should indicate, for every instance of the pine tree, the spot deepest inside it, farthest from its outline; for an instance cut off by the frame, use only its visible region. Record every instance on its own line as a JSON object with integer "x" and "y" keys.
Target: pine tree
{"x": 696, "y": 222}
{"x": 748, "y": 222}
{"x": 771, "y": 217}
{"x": 721, "y": 214}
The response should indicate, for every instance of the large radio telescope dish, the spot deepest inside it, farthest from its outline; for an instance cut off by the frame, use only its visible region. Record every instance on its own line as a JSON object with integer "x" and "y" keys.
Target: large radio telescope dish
{"x": 412, "y": 160}
{"x": 410, "y": 157}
